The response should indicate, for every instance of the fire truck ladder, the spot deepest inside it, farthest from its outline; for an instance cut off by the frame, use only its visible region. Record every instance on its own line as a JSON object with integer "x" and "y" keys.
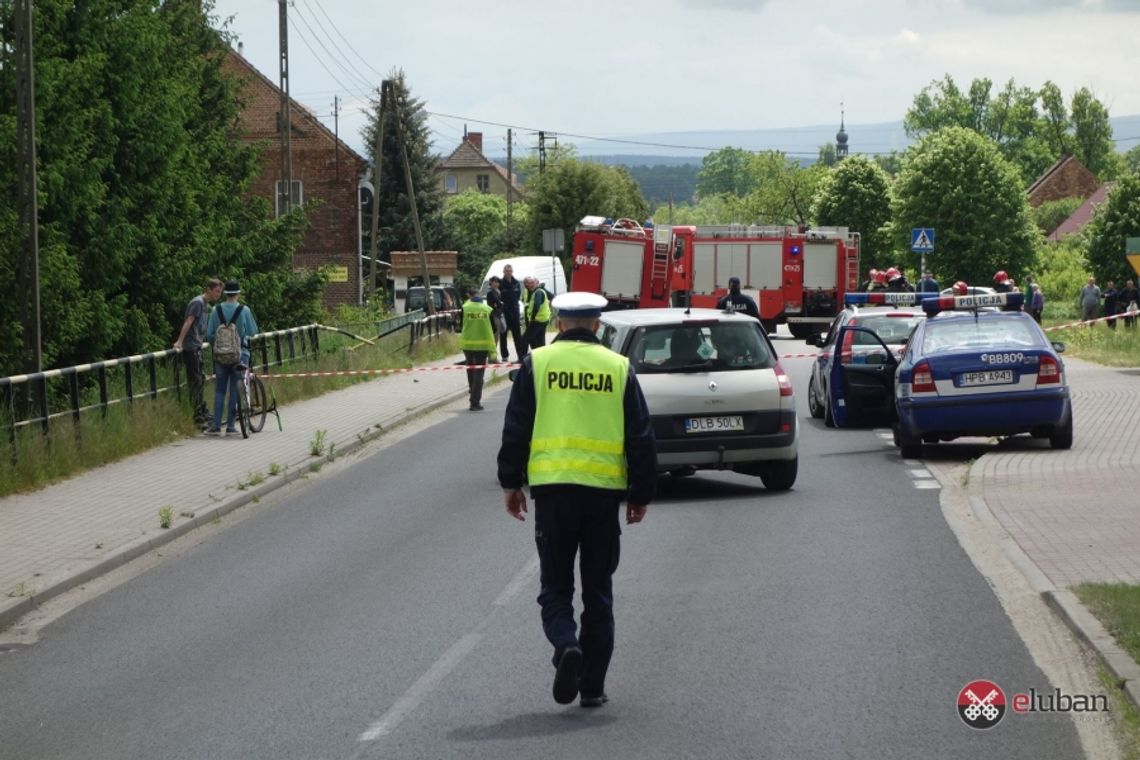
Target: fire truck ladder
{"x": 659, "y": 271}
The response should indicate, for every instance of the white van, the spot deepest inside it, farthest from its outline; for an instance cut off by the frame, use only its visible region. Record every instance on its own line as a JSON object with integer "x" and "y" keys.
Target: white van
{"x": 548, "y": 270}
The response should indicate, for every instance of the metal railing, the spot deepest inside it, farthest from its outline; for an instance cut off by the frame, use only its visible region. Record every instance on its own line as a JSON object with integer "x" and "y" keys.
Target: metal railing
{"x": 41, "y": 397}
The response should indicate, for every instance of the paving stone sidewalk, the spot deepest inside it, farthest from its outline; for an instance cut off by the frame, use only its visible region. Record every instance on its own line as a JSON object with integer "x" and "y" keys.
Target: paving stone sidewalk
{"x": 60, "y": 537}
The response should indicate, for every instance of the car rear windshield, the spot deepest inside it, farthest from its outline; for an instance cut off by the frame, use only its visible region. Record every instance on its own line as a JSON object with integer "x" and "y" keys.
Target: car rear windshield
{"x": 943, "y": 335}
{"x": 890, "y": 328}
{"x": 719, "y": 347}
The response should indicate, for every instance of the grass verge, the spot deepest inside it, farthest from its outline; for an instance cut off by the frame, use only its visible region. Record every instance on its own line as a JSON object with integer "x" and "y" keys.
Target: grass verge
{"x": 35, "y": 460}
{"x": 1117, "y": 606}
{"x": 1097, "y": 343}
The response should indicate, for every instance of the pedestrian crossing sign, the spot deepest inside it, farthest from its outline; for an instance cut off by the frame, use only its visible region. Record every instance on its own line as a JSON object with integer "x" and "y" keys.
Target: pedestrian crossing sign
{"x": 922, "y": 239}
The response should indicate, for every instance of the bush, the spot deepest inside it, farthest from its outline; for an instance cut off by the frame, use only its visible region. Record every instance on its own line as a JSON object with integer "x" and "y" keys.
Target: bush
{"x": 1049, "y": 215}
{"x": 1064, "y": 272}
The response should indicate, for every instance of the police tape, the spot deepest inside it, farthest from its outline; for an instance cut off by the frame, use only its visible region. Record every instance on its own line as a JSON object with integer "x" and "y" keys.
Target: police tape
{"x": 398, "y": 370}
{"x": 1113, "y": 317}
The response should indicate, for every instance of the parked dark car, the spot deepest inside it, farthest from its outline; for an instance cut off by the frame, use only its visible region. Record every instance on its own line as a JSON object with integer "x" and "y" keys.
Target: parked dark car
{"x": 444, "y": 298}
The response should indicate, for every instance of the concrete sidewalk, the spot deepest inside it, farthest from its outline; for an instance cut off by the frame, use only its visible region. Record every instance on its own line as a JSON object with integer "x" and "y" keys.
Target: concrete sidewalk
{"x": 60, "y": 537}
{"x": 1068, "y": 516}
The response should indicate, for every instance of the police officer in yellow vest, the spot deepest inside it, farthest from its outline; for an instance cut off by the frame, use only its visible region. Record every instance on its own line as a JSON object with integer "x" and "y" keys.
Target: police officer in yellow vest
{"x": 536, "y": 309}
{"x": 478, "y": 342}
{"x": 578, "y": 430}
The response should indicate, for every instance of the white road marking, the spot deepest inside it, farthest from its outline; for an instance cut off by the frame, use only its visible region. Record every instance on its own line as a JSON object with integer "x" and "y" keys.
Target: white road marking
{"x": 421, "y": 688}
{"x": 920, "y": 472}
{"x": 440, "y": 669}
{"x": 525, "y": 576}
{"x": 926, "y": 484}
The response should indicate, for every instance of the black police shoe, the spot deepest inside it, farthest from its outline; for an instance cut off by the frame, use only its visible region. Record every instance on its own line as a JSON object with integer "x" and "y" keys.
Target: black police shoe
{"x": 566, "y": 676}
{"x": 596, "y": 701}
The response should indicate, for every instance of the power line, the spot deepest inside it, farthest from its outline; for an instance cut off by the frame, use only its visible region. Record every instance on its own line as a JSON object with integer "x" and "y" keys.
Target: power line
{"x": 346, "y": 42}
{"x": 297, "y": 29}
{"x": 362, "y": 77}
{"x": 332, "y": 57}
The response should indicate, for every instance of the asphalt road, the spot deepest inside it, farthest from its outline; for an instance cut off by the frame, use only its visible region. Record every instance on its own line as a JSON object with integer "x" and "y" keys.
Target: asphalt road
{"x": 386, "y": 610}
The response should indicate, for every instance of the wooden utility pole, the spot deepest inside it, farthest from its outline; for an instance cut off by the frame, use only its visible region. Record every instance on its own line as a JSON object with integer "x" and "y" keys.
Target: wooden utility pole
{"x": 429, "y": 302}
{"x": 336, "y": 136}
{"x": 510, "y": 194}
{"x": 27, "y": 206}
{"x": 285, "y": 203}
{"x": 377, "y": 155}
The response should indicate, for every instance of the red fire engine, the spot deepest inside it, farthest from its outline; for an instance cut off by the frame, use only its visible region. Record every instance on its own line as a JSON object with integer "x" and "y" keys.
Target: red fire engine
{"x": 798, "y": 277}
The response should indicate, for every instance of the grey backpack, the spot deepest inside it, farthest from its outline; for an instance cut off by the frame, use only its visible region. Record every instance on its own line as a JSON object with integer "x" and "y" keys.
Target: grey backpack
{"x": 227, "y": 341}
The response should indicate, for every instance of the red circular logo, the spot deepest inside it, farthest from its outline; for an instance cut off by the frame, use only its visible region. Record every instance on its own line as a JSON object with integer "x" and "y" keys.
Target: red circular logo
{"x": 981, "y": 704}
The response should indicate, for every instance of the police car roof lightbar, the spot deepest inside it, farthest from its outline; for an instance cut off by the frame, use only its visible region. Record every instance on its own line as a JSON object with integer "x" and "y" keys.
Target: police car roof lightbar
{"x": 970, "y": 303}
{"x": 886, "y": 297}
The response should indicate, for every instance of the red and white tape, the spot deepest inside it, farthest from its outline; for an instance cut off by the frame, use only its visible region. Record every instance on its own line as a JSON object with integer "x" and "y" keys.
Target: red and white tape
{"x": 359, "y": 372}
{"x": 1121, "y": 315}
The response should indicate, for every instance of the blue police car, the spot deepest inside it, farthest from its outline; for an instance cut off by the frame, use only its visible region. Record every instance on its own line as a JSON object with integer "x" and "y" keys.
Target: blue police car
{"x": 851, "y": 377}
{"x": 971, "y": 372}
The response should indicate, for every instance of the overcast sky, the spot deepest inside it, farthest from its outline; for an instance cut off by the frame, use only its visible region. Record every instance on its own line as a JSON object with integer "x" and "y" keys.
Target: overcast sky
{"x": 621, "y": 68}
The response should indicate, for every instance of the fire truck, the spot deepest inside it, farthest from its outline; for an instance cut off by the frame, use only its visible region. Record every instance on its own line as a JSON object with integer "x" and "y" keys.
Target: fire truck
{"x": 797, "y": 276}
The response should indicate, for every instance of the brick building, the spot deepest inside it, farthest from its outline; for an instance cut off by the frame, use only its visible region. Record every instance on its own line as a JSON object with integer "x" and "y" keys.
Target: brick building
{"x": 468, "y": 169}
{"x": 1067, "y": 178}
{"x": 325, "y": 176}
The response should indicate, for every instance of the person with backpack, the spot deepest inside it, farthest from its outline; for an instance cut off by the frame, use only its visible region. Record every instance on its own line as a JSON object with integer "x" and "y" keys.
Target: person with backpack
{"x": 230, "y": 327}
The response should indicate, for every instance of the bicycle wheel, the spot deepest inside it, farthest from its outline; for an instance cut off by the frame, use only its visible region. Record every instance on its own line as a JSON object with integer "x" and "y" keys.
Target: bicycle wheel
{"x": 258, "y": 404}
{"x": 243, "y": 406}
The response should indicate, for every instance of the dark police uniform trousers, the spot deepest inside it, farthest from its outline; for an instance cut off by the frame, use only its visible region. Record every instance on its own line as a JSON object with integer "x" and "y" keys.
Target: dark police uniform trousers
{"x": 564, "y": 519}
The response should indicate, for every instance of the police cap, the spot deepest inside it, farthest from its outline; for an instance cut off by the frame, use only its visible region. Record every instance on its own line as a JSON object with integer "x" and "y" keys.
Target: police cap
{"x": 579, "y": 304}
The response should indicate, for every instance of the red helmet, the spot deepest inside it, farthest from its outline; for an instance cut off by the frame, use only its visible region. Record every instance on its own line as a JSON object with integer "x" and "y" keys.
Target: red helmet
{"x": 893, "y": 274}
{"x": 1000, "y": 277}
{"x": 880, "y": 277}
{"x": 960, "y": 288}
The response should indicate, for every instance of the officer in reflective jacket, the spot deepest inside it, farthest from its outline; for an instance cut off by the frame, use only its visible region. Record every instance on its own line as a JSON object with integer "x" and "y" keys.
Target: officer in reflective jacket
{"x": 577, "y": 429}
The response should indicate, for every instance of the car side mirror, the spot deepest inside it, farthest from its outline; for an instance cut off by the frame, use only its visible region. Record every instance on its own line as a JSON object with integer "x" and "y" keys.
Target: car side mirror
{"x": 1058, "y": 346}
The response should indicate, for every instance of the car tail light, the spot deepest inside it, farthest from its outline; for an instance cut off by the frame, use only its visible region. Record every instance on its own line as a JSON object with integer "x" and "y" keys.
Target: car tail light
{"x": 845, "y": 353}
{"x": 1049, "y": 371}
{"x": 782, "y": 379}
{"x": 922, "y": 380}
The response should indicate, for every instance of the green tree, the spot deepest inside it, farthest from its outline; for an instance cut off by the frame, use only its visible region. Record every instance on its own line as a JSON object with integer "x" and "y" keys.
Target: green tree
{"x": 1049, "y": 215}
{"x": 957, "y": 182}
{"x": 715, "y": 209}
{"x": 857, "y": 194}
{"x": 782, "y": 190}
{"x": 827, "y": 155}
{"x": 572, "y": 189}
{"x": 1132, "y": 159}
{"x": 1092, "y": 135}
{"x": 476, "y": 226}
{"x": 726, "y": 171}
{"x": 396, "y": 228}
{"x": 1114, "y": 222}
{"x": 143, "y": 188}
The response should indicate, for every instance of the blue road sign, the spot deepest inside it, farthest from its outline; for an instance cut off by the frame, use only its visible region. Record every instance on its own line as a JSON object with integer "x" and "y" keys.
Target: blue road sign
{"x": 922, "y": 239}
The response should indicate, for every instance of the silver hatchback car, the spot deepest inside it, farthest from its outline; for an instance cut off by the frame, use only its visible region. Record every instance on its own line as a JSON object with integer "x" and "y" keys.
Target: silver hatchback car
{"x": 715, "y": 389}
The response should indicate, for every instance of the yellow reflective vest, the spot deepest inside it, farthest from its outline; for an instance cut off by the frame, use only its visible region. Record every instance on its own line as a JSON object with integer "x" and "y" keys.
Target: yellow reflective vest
{"x": 579, "y": 419}
{"x": 543, "y": 314}
{"x": 477, "y": 335}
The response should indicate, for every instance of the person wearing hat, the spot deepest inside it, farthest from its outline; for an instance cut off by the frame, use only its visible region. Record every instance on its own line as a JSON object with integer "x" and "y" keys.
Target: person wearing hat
{"x": 189, "y": 342}
{"x": 896, "y": 282}
{"x": 578, "y": 430}
{"x": 928, "y": 284}
{"x": 226, "y": 375}
{"x": 734, "y": 300}
{"x": 478, "y": 343}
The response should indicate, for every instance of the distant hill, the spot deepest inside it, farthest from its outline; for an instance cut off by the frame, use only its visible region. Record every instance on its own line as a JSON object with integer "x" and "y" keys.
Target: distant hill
{"x": 673, "y": 148}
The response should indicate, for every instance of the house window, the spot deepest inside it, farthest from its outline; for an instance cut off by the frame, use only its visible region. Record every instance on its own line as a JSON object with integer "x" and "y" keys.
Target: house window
{"x": 296, "y": 199}
{"x": 483, "y": 182}
{"x": 451, "y": 184}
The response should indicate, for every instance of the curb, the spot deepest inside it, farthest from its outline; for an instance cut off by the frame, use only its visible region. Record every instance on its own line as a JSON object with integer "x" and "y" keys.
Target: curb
{"x": 1062, "y": 602}
{"x": 10, "y": 612}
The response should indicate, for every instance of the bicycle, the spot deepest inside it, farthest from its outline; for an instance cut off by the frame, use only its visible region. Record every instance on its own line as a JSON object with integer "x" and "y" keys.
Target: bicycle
{"x": 253, "y": 403}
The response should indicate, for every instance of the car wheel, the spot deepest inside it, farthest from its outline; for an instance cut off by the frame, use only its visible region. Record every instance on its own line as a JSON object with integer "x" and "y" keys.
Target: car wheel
{"x": 779, "y": 475}
{"x": 769, "y": 326}
{"x": 910, "y": 448}
{"x": 814, "y": 406}
{"x": 683, "y": 472}
{"x": 828, "y": 419}
{"x": 1062, "y": 436}
{"x": 802, "y": 331}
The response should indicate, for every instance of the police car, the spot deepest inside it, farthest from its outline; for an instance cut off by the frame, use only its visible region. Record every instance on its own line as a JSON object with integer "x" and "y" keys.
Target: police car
{"x": 715, "y": 389}
{"x": 971, "y": 372}
{"x": 889, "y": 318}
